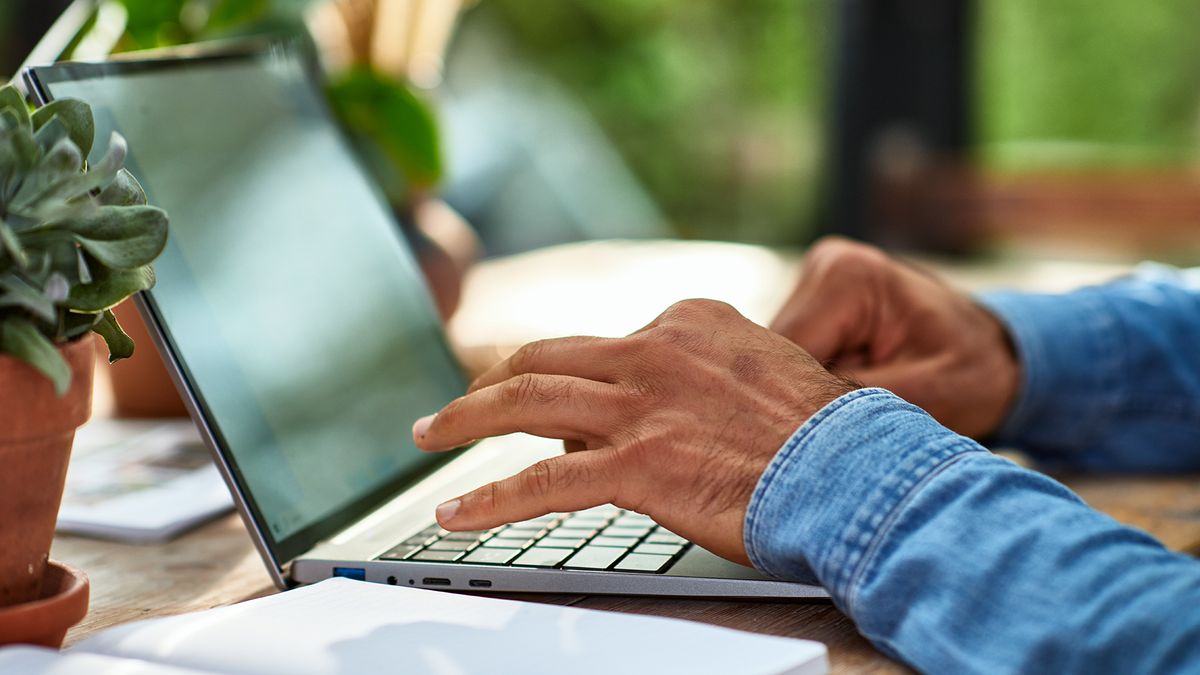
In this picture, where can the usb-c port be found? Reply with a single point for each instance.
(435, 581)
(480, 583)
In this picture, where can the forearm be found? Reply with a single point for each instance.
(953, 559)
(1111, 374)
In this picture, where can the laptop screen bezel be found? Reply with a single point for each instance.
(278, 553)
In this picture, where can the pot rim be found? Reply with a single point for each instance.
(48, 618)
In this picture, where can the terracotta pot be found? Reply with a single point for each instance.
(36, 431)
(45, 621)
(141, 386)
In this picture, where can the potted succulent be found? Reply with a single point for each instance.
(76, 238)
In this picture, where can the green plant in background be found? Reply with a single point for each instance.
(75, 239)
(715, 106)
(1080, 83)
(394, 130)
(166, 23)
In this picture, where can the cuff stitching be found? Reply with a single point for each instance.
(782, 460)
(872, 518)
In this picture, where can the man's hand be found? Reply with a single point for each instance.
(677, 421)
(891, 325)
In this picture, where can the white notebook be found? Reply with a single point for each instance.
(140, 481)
(344, 626)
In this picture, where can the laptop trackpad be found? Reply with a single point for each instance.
(698, 562)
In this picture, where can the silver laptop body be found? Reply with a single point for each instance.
(298, 329)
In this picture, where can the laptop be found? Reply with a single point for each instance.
(301, 334)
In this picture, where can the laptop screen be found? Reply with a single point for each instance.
(286, 292)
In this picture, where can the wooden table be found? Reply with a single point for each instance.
(623, 285)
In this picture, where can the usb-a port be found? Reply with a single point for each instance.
(435, 581)
(356, 573)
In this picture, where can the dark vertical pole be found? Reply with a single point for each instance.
(903, 70)
(29, 21)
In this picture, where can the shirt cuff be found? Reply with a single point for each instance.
(1071, 355)
(830, 495)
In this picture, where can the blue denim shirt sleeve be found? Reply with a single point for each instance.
(1111, 374)
(953, 559)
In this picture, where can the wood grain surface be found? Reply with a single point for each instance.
(217, 564)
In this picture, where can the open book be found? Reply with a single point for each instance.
(344, 626)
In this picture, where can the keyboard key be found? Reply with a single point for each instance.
(437, 556)
(542, 557)
(497, 542)
(472, 535)
(418, 540)
(491, 556)
(562, 542)
(659, 549)
(399, 553)
(634, 520)
(635, 532)
(520, 533)
(594, 558)
(622, 542)
(576, 532)
(537, 523)
(661, 536)
(640, 562)
(584, 523)
(450, 545)
(433, 530)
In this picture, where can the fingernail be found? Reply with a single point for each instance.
(446, 511)
(421, 426)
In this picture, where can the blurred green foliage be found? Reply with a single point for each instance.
(394, 130)
(715, 106)
(1086, 83)
(164, 23)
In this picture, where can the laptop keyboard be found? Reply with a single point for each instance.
(603, 538)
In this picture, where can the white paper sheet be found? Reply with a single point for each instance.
(343, 626)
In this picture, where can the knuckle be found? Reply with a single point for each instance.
(542, 477)
(837, 255)
(519, 391)
(523, 359)
(695, 308)
(491, 497)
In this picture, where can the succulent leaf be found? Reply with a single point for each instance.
(18, 293)
(24, 148)
(21, 338)
(83, 269)
(76, 324)
(50, 134)
(10, 245)
(120, 345)
(125, 190)
(102, 173)
(53, 175)
(75, 240)
(12, 101)
(121, 237)
(108, 288)
(75, 115)
(57, 288)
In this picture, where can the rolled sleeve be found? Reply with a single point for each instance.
(833, 488)
(1110, 374)
(1071, 354)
